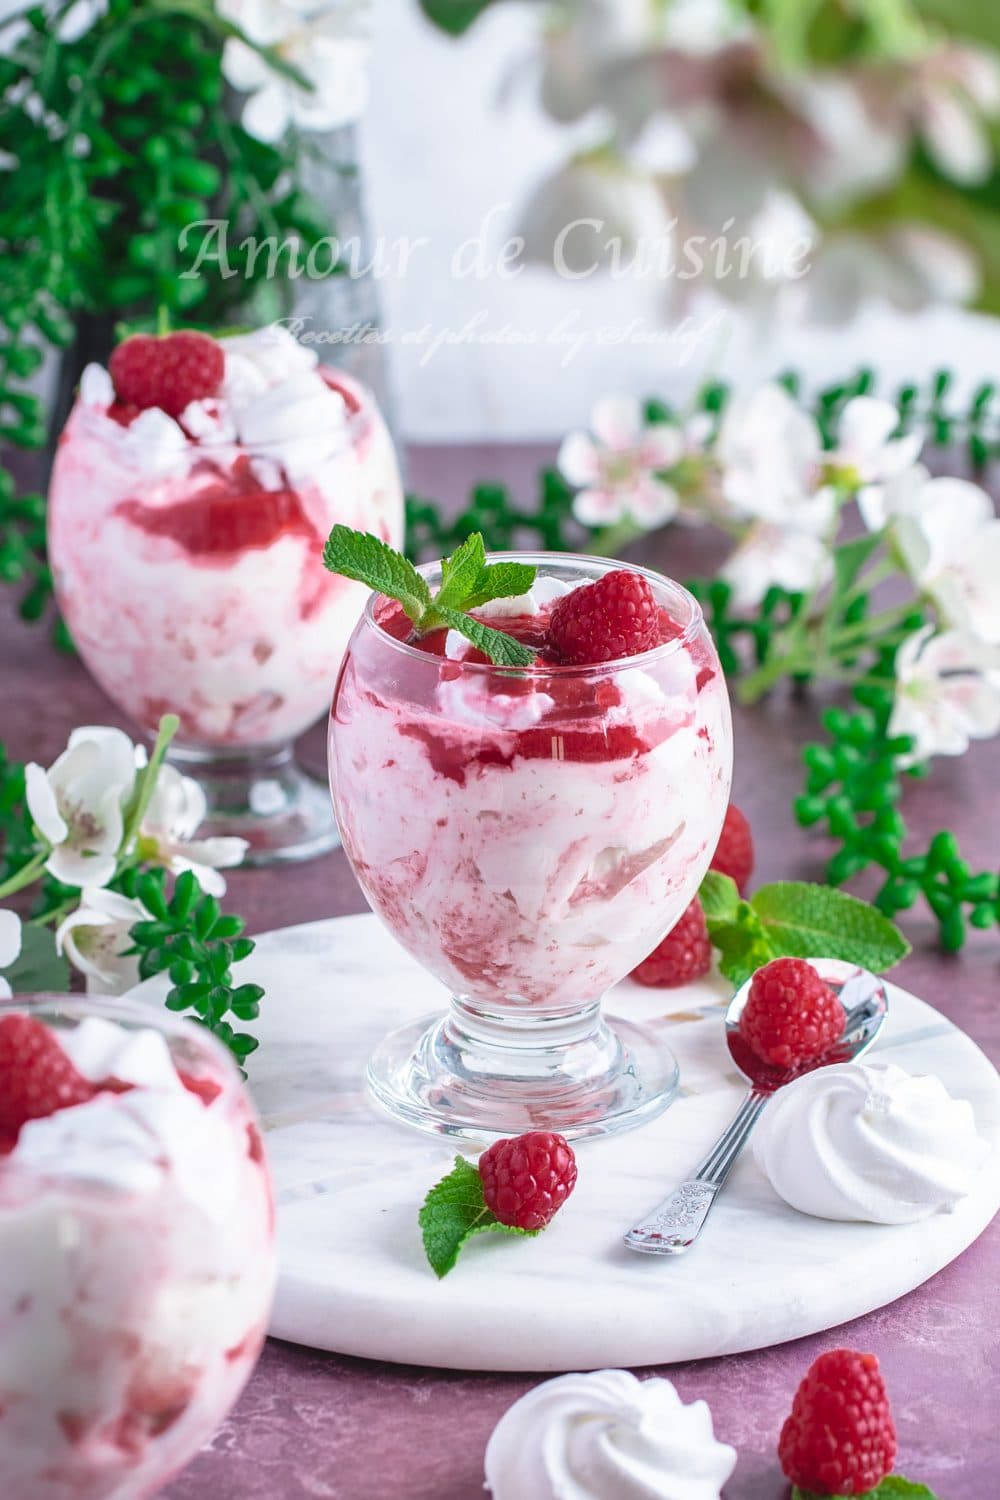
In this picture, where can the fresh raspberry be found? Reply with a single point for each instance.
(616, 616)
(525, 1180)
(840, 1438)
(734, 852)
(790, 1016)
(684, 954)
(167, 372)
(36, 1076)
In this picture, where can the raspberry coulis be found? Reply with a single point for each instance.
(577, 727)
(227, 511)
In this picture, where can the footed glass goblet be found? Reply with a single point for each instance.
(529, 835)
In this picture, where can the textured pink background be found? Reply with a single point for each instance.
(320, 1427)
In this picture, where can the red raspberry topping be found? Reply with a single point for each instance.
(36, 1076)
(228, 512)
(527, 1179)
(616, 616)
(840, 1438)
(791, 1016)
(734, 852)
(684, 954)
(167, 372)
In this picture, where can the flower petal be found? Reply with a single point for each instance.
(651, 502)
(74, 867)
(578, 459)
(618, 421)
(42, 805)
(598, 507)
(10, 937)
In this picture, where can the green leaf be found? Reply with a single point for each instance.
(506, 580)
(453, 1212)
(893, 1487)
(818, 921)
(453, 16)
(719, 896)
(742, 943)
(850, 558)
(38, 966)
(501, 649)
(366, 558)
(461, 572)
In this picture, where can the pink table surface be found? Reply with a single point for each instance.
(322, 1427)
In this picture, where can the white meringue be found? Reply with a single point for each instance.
(870, 1142)
(606, 1436)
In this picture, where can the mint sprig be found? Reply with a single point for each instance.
(468, 581)
(454, 1210)
(893, 1487)
(797, 920)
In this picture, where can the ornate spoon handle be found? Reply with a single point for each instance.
(674, 1226)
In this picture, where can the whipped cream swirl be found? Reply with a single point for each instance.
(869, 1141)
(606, 1436)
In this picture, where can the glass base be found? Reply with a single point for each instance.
(262, 796)
(479, 1078)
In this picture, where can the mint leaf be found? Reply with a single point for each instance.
(453, 1212)
(893, 1487)
(366, 558)
(504, 580)
(719, 896)
(818, 921)
(502, 649)
(461, 572)
(742, 942)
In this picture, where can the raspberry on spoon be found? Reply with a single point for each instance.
(616, 616)
(791, 1015)
(168, 372)
(840, 1438)
(36, 1076)
(527, 1179)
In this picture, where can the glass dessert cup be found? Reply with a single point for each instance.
(529, 836)
(137, 1243)
(190, 574)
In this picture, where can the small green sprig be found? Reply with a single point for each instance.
(192, 940)
(893, 1487)
(468, 582)
(453, 1212)
(796, 920)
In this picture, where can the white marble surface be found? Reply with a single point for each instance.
(349, 1183)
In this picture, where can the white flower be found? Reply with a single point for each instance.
(770, 554)
(617, 468)
(947, 693)
(175, 810)
(949, 539)
(327, 41)
(95, 937)
(770, 454)
(867, 450)
(953, 88)
(78, 804)
(899, 496)
(10, 945)
(594, 212)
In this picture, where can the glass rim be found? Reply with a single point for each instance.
(121, 1007)
(658, 581)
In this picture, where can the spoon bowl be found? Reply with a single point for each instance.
(673, 1227)
(864, 999)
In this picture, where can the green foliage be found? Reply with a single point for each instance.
(798, 920)
(116, 142)
(454, 16)
(454, 1211)
(189, 938)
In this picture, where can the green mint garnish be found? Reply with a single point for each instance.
(796, 920)
(893, 1487)
(467, 582)
(453, 1212)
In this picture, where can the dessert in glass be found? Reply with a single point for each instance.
(186, 544)
(529, 835)
(137, 1245)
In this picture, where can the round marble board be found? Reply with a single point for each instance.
(349, 1183)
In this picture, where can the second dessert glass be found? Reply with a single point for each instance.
(191, 577)
(529, 836)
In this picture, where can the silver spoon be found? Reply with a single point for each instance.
(674, 1226)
